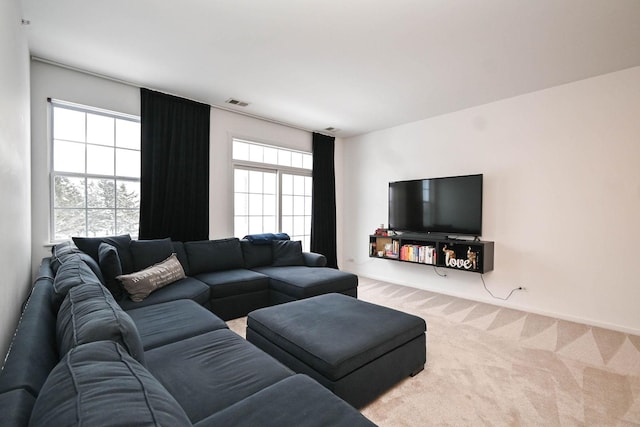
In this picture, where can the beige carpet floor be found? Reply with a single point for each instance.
(493, 366)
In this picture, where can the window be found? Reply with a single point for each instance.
(272, 191)
(95, 179)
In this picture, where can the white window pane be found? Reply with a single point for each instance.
(127, 134)
(68, 156)
(287, 184)
(255, 204)
(128, 222)
(298, 225)
(241, 226)
(69, 192)
(128, 195)
(287, 224)
(307, 225)
(298, 184)
(68, 124)
(100, 160)
(241, 183)
(287, 205)
(271, 155)
(269, 224)
(296, 159)
(255, 225)
(270, 183)
(255, 182)
(307, 205)
(101, 193)
(69, 223)
(308, 186)
(127, 163)
(240, 150)
(298, 205)
(270, 207)
(241, 204)
(307, 161)
(100, 129)
(305, 243)
(101, 222)
(284, 157)
(256, 153)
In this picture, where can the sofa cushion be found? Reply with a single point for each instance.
(287, 252)
(16, 406)
(72, 273)
(99, 384)
(256, 255)
(214, 255)
(89, 313)
(140, 284)
(304, 282)
(234, 282)
(212, 371)
(90, 245)
(111, 268)
(295, 401)
(145, 253)
(187, 288)
(33, 351)
(161, 324)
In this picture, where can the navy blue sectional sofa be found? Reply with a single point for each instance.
(84, 353)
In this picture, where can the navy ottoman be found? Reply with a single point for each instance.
(356, 349)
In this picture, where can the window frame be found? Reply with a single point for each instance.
(278, 169)
(53, 174)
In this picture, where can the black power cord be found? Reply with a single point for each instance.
(519, 288)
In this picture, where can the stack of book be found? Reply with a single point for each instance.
(418, 253)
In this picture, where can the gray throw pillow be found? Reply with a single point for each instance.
(140, 284)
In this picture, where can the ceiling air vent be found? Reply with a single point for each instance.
(237, 102)
(331, 129)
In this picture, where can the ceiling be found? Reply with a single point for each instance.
(355, 65)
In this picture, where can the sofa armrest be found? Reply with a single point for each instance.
(312, 259)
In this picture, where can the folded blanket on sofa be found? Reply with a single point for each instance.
(266, 238)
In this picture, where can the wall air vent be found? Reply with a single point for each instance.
(237, 102)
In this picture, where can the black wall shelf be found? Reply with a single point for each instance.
(466, 255)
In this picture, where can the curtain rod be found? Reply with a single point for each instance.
(132, 84)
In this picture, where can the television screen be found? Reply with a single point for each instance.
(450, 205)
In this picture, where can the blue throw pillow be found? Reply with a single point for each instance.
(287, 252)
(90, 245)
(111, 268)
(146, 253)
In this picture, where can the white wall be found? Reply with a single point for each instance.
(15, 214)
(561, 197)
(49, 81)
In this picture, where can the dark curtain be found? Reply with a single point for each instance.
(174, 182)
(323, 211)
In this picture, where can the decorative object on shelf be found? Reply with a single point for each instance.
(449, 254)
(472, 257)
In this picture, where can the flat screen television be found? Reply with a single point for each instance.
(448, 205)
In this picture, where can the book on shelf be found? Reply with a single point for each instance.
(418, 253)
